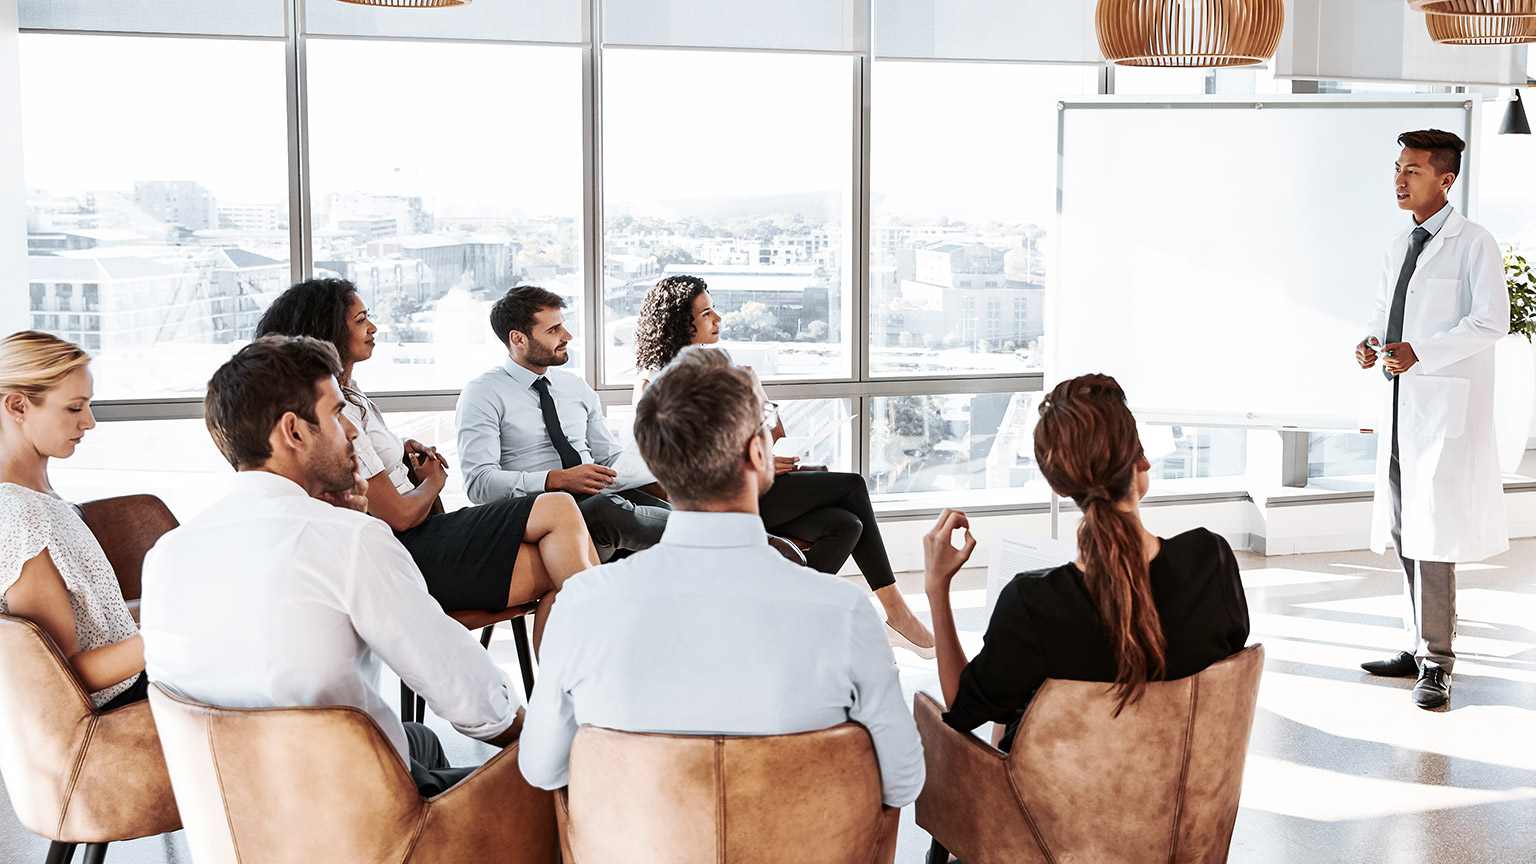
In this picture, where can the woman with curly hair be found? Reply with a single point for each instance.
(500, 554)
(830, 510)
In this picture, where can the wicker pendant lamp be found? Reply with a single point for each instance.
(1494, 8)
(1481, 29)
(408, 4)
(1189, 33)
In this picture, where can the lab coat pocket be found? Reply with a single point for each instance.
(1441, 301)
(1434, 406)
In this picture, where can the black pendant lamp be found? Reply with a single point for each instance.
(1515, 121)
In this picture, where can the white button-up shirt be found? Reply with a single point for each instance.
(504, 447)
(713, 632)
(272, 599)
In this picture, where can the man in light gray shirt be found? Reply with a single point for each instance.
(525, 428)
(712, 631)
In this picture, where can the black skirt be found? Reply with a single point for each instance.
(467, 555)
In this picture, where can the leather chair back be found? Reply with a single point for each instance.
(693, 799)
(1160, 782)
(73, 774)
(126, 527)
(324, 784)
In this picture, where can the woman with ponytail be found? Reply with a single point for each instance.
(1132, 608)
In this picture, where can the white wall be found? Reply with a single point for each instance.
(13, 207)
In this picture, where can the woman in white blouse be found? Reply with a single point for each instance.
(502, 553)
(52, 570)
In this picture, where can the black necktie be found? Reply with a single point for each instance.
(569, 458)
(1416, 243)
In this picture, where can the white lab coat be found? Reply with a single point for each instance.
(1457, 308)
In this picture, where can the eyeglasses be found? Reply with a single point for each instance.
(771, 415)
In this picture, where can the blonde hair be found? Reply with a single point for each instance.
(32, 363)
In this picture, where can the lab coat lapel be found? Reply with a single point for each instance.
(1450, 229)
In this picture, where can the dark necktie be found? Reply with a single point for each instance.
(1416, 243)
(569, 458)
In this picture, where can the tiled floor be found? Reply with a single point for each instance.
(1342, 767)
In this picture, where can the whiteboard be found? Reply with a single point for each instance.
(1220, 258)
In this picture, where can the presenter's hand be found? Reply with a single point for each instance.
(785, 464)
(581, 480)
(941, 560)
(1400, 357)
(1365, 352)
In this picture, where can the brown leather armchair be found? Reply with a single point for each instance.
(721, 799)
(278, 785)
(1159, 783)
(75, 775)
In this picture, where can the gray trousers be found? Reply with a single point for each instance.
(630, 519)
(1429, 610)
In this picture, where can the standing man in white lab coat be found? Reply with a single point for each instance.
(1441, 305)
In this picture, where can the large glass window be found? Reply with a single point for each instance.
(927, 448)
(157, 180)
(964, 200)
(445, 174)
(750, 189)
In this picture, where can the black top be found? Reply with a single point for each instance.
(1046, 626)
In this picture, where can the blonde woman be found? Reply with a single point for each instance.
(52, 570)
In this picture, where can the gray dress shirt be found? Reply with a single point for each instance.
(503, 445)
(713, 632)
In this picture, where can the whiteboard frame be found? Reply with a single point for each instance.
(1466, 182)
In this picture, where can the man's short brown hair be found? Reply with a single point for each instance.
(1444, 148)
(693, 423)
(517, 309)
(255, 388)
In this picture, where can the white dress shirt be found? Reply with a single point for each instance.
(379, 451)
(504, 446)
(713, 632)
(270, 599)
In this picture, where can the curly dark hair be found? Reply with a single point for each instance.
(666, 320)
(316, 308)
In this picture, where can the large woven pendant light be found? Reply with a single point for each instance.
(1481, 29)
(1189, 33)
(1476, 7)
(408, 4)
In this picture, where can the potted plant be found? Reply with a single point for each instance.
(1515, 375)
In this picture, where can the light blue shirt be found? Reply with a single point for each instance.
(504, 446)
(1434, 223)
(712, 632)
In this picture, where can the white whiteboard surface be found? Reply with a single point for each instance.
(1221, 259)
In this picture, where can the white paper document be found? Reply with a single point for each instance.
(1015, 552)
(631, 470)
(801, 445)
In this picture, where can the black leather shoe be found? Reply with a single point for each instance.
(1433, 689)
(1403, 665)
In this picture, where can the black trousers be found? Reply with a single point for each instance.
(831, 511)
(429, 766)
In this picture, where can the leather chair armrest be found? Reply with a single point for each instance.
(890, 823)
(563, 822)
(493, 814)
(121, 789)
(968, 802)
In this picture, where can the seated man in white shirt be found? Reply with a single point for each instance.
(273, 597)
(526, 428)
(712, 631)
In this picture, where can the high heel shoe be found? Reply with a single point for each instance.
(896, 640)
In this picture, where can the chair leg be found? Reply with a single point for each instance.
(937, 854)
(485, 636)
(60, 853)
(524, 653)
(407, 704)
(95, 853)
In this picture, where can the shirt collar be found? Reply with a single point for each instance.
(521, 375)
(1434, 223)
(697, 528)
(267, 483)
